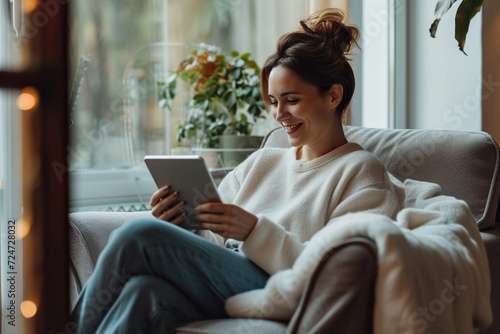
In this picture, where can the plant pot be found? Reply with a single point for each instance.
(236, 148)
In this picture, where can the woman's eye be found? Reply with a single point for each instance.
(273, 102)
(292, 101)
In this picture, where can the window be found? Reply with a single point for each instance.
(116, 119)
(405, 78)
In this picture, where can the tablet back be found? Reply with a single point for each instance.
(190, 176)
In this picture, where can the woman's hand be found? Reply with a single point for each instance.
(227, 220)
(164, 206)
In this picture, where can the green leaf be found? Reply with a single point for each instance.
(221, 90)
(200, 97)
(245, 56)
(203, 105)
(229, 99)
(254, 110)
(466, 11)
(247, 91)
(239, 63)
(256, 93)
(164, 104)
(442, 8)
(212, 90)
(171, 92)
(236, 73)
(254, 80)
(234, 54)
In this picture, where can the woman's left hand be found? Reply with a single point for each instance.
(227, 220)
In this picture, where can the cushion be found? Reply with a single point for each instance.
(233, 326)
(464, 164)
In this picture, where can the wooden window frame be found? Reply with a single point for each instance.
(45, 196)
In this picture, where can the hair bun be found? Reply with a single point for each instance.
(328, 25)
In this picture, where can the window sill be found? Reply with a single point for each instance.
(127, 189)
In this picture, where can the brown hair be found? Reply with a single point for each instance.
(318, 52)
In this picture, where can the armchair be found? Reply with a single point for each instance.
(464, 164)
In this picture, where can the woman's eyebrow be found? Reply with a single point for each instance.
(285, 94)
(288, 93)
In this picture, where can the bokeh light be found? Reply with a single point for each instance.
(28, 99)
(28, 308)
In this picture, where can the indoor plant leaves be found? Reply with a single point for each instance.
(466, 11)
(442, 8)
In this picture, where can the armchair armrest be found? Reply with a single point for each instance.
(340, 292)
(88, 234)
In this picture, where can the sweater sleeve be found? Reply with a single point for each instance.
(271, 247)
(374, 199)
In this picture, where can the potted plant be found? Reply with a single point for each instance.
(225, 100)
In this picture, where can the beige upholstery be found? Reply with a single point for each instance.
(465, 164)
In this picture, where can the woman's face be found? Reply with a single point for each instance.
(307, 116)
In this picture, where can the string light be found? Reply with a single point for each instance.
(23, 228)
(28, 99)
(28, 308)
(30, 6)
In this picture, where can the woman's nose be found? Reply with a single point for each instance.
(280, 113)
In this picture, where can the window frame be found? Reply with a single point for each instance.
(44, 197)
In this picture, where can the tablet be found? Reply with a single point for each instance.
(190, 176)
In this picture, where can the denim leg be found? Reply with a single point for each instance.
(148, 304)
(205, 273)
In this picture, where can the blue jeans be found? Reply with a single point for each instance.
(153, 277)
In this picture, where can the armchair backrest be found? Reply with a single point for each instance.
(464, 164)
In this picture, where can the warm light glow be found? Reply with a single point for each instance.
(23, 228)
(30, 6)
(28, 308)
(28, 99)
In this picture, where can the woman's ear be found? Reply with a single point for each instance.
(336, 93)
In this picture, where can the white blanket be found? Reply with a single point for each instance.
(433, 273)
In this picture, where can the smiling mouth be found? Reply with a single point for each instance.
(291, 128)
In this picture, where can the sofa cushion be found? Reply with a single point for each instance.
(464, 164)
(233, 326)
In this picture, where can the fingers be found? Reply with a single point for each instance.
(227, 220)
(221, 229)
(164, 206)
(178, 219)
(158, 195)
(164, 203)
(172, 212)
(213, 207)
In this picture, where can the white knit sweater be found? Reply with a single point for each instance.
(293, 200)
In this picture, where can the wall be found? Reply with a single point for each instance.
(491, 68)
(444, 85)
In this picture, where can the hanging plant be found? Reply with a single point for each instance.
(466, 11)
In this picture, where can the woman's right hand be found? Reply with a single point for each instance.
(165, 207)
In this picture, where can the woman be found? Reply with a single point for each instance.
(154, 276)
